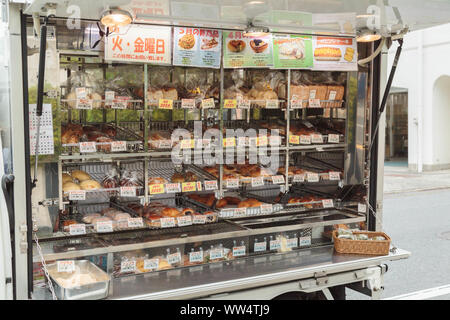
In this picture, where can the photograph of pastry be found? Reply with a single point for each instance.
(236, 46)
(349, 53)
(208, 44)
(258, 45)
(327, 54)
(187, 41)
(292, 49)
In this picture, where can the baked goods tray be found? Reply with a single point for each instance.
(96, 104)
(86, 282)
(125, 140)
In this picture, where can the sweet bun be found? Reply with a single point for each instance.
(187, 211)
(170, 212)
(66, 178)
(70, 186)
(90, 185)
(156, 180)
(221, 203)
(177, 177)
(80, 175)
(232, 200)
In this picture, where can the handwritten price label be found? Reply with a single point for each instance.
(208, 103)
(297, 103)
(156, 188)
(298, 178)
(77, 229)
(312, 177)
(128, 191)
(135, 223)
(229, 104)
(184, 221)
(275, 244)
(188, 186)
(260, 246)
(118, 146)
(187, 103)
(257, 182)
(88, 147)
(199, 219)
(211, 185)
(151, 264)
(167, 222)
(243, 104)
(292, 243)
(173, 187)
(333, 138)
(165, 104)
(335, 176)
(84, 104)
(196, 257)
(104, 226)
(240, 212)
(239, 251)
(316, 138)
(67, 266)
(305, 139)
(294, 139)
(174, 258)
(128, 266)
(232, 183)
(327, 203)
(314, 103)
(77, 195)
(216, 254)
(278, 179)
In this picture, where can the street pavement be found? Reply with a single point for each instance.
(417, 221)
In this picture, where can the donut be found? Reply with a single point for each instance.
(187, 211)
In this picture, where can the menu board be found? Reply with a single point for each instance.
(292, 51)
(248, 52)
(196, 47)
(140, 43)
(332, 53)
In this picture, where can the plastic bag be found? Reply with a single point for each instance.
(111, 180)
(82, 85)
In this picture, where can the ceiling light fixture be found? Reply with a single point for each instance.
(367, 36)
(253, 31)
(116, 17)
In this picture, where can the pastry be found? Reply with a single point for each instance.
(258, 45)
(177, 178)
(249, 203)
(236, 45)
(90, 185)
(70, 186)
(89, 217)
(327, 54)
(209, 44)
(80, 175)
(170, 212)
(66, 178)
(69, 222)
(171, 94)
(100, 219)
(156, 180)
(187, 41)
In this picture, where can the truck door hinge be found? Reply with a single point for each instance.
(321, 278)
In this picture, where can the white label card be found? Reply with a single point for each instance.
(77, 229)
(151, 264)
(174, 258)
(199, 219)
(305, 241)
(227, 213)
(312, 177)
(296, 103)
(260, 246)
(239, 251)
(187, 103)
(211, 185)
(118, 146)
(232, 183)
(87, 147)
(243, 104)
(135, 223)
(128, 266)
(299, 178)
(275, 244)
(271, 104)
(216, 254)
(77, 195)
(196, 257)
(314, 103)
(240, 212)
(362, 207)
(84, 104)
(257, 182)
(208, 103)
(278, 179)
(333, 138)
(316, 138)
(167, 222)
(128, 191)
(292, 243)
(184, 221)
(332, 95)
(66, 266)
(104, 226)
(119, 104)
(305, 139)
(328, 203)
(173, 187)
(266, 208)
(334, 176)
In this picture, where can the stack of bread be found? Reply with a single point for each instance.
(75, 133)
(78, 180)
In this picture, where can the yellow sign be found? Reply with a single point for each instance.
(294, 139)
(156, 188)
(187, 144)
(230, 104)
(188, 186)
(262, 141)
(166, 104)
(229, 142)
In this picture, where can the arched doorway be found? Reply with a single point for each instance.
(441, 123)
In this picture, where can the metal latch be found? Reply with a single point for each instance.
(321, 278)
(23, 246)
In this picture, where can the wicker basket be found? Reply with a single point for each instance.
(369, 247)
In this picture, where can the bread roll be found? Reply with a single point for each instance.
(90, 185)
(66, 178)
(70, 186)
(89, 217)
(156, 180)
(171, 94)
(177, 178)
(170, 212)
(301, 92)
(80, 175)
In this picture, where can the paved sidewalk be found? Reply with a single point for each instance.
(399, 179)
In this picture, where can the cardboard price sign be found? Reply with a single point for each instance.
(230, 104)
(165, 104)
(187, 103)
(118, 146)
(77, 195)
(67, 266)
(77, 229)
(88, 147)
(188, 186)
(156, 188)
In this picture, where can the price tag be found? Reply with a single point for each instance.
(80, 93)
(294, 139)
(199, 185)
(187, 144)
(208, 103)
(229, 142)
(119, 104)
(66, 266)
(298, 178)
(316, 138)
(227, 213)
(278, 179)
(167, 222)
(173, 187)
(118, 146)
(229, 104)
(215, 254)
(128, 191)
(333, 138)
(87, 147)
(240, 212)
(151, 264)
(128, 266)
(312, 177)
(314, 103)
(232, 183)
(275, 140)
(275, 244)
(292, 243)
(266, 208)
(199, 219)
(196, 257)
(271, 104)
(156, 188)
(174, 258)
(262, 141)
(327, 203)
(257, 182)
(109, 97)
(184, 221)
(305, 241)
(332, 95)
(260, 246)
(305, 139)
(77, 195)
(77, 229)
(135, 223)
(104, 226)
(188, 186)
(239, 251)
(243, 104)
(84, 104)
(211, 185)
(362, 207)
(241, 141)
(312, 94)
(335, 176)
(296, 103)
(187, 103)
(165, 104)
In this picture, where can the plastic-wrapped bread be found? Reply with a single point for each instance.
(90, 185)
(171, 94)
(155, 94)
(335, 93)
(318, 92)
(300, 91)
(89, 217)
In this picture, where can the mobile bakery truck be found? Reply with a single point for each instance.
(197, 150)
